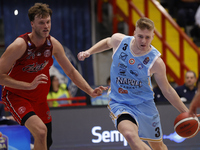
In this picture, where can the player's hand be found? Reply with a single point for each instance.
(0, 134)
(40, 79)
(193, 108)
(98, 91)
(82, 55)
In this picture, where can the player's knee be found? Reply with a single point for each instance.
(130, 137)
(41, 132)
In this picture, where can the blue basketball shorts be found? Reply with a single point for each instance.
(146, 116)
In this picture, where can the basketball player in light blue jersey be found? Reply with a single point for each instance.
(132, 108)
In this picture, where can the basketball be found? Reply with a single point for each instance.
(186, 126)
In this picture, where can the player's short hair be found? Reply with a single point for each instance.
(39, 9)
(145, 23)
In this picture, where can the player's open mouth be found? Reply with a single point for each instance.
(142, 45)
(45, 30)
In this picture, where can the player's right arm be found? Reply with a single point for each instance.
(9, 57)
(196, 101)
(103, 45)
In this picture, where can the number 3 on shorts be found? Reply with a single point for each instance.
(157, 132)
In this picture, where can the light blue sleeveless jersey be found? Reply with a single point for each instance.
(130, 75)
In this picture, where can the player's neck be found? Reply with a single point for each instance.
(38, 41)
(136, 51)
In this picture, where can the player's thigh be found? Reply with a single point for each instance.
(158, 145)
(42, 111)
(36, 125)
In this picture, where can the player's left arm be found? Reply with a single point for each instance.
(71, 72)
(159, 71)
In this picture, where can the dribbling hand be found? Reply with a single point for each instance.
(82, 55)
(40, 79)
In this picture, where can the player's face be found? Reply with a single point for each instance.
(190, 79)
(41, 26)
(143, 38)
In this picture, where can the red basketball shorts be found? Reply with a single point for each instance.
(22, 108)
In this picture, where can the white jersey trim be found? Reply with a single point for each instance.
(158, 55)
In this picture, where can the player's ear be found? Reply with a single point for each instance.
(31, 23)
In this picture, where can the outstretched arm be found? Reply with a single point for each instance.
(105, 44)
(71, 72)
(170, 94)
(12, 53)
(195, 102)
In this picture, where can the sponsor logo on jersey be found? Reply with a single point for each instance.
(122, 91)
(154, 124)
(123, 56)
(21, 110)
(47, 53)
(49, 115)
(39, 54)
(48, 42)
(140, 66)
(122, 72)
(122, 66)
(134, 72)
(127, 81)
(35, 67)
(146, 60)
(131, 61)
(31, 54)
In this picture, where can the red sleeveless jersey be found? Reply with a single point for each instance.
(35, 61)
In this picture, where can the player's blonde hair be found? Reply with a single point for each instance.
(39, 9)
(145, 23)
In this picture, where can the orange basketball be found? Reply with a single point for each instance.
(186, 126)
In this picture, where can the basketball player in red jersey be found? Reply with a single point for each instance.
(24, 72)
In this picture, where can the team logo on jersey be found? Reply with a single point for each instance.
(21, 109)
(146, 60)
(122, 72)
(47, 53)
(135, 73)
(29, 44)
(140, 66)
(35, 67)
(48, 42)
(122, 91)
(131, 61)
(123, 56)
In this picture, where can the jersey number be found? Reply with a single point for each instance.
(125, 46)
(157, 132)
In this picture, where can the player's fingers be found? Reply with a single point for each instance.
(103, 88)
(42, 76)
(42, 82)
(192, 112)
(80, 56)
